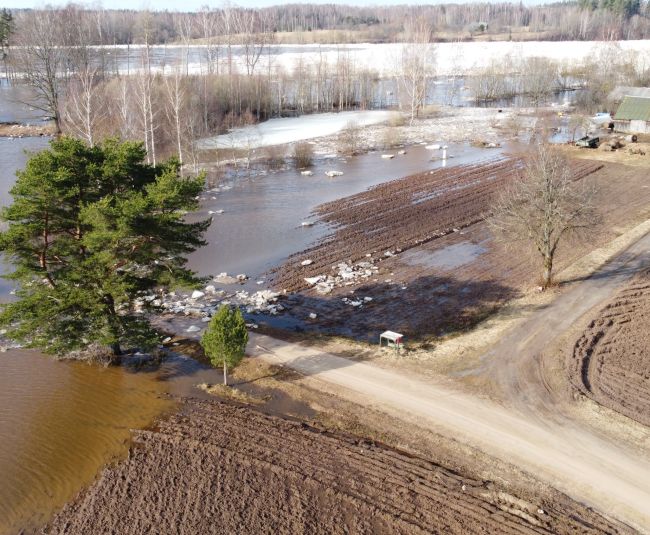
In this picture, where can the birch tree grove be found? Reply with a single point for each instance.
(84, 108)
(416, 65)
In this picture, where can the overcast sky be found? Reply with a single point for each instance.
(189, 5)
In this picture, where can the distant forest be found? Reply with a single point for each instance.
(308, 23)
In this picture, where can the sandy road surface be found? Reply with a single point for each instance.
(593, 471)
(602, 474)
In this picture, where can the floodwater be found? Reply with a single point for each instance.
(13, 156)
(447, 258)
(60, 422)
(261, 221)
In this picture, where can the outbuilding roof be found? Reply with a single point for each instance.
(633, 109)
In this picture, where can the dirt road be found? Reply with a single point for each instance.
(588, 467)
(516, 363)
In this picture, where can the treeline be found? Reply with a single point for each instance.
(579, 20)
(538, 78)
(88, 93)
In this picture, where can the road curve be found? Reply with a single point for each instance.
(607, 476)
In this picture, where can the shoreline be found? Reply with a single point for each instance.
(13, 130)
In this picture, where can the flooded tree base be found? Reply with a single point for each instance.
(231, 469)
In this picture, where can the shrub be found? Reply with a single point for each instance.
(303, 154)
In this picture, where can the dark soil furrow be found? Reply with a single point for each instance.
(220, 468)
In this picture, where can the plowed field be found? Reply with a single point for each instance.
(218, 468)
(611, 360)
(405, 213)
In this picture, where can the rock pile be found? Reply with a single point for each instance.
(345, 275)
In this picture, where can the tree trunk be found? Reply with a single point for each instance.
(225, 373)
(548, 271)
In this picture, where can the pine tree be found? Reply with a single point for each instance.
(225, 339)
(90, 230)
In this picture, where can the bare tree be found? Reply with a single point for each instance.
(252, 37)
(209, 28)
(83, 104)
(175, 93)
(544, 206)
(417, 64)
(40, 57)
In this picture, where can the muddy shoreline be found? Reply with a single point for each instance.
(18, 130)
(229, 468)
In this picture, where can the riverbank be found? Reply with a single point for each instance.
(19, 130)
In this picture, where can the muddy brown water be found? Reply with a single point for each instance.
(59, 423)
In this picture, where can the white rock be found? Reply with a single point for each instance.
(307, 262)
(355, 303)
(367, 299)
(224, 278)
(307, 224)
(324, 287)
(435, 146)
(333, 173)
(167, 340)
(242, 277)
(193, 329)
(306, 173)
(210, 288)
(313, 316)
(388, 156)
(389, 253)
(197, 294)
(252, 325)
(401, 152)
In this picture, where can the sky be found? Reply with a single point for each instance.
(192, 5)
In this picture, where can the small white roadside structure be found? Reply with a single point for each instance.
(391, 339)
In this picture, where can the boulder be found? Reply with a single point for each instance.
(197, 294)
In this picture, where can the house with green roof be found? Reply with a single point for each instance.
(633, 115)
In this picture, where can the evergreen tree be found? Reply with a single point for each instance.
(225, 339)
(90, 230)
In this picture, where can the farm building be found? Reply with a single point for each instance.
(633, 115)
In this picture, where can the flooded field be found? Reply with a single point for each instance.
(262, 220)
